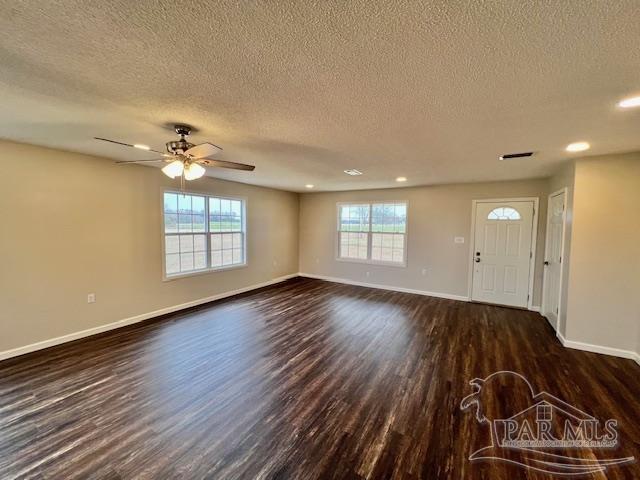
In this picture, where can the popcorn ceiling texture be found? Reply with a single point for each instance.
(433, 91)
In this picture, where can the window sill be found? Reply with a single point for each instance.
(372, 262)
(206, 271)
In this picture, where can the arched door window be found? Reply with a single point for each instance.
(504, 213)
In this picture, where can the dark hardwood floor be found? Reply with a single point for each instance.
(302, 380)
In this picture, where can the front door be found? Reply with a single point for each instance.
(553, 258)
(502, 252)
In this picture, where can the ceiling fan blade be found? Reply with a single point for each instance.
(128, 145)
(203, 150)
(141, 161)
(224, 164)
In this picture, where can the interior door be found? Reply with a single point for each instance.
(502, 252)
(553, 257)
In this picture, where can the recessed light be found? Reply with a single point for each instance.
(578, 147)
(515, 155)
(142, 147)
(401, 179)
(308, 185)
(630, 102)
(353, 171)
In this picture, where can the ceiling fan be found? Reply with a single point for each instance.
(184, 159)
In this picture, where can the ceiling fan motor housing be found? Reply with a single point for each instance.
(180, 146)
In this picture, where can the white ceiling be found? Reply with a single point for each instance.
(433, 91)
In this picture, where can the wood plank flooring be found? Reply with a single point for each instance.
(302, 380)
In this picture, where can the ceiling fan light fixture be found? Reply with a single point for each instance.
(194, 171)
(174, 169)
(141, 146)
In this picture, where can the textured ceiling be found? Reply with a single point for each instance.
(433, 91)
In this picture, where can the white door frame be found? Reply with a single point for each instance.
(534, 236)
(564, 191)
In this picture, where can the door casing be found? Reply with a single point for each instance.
(565, 192)
(534, 236)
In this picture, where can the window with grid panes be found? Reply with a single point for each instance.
(373, 232)
(226, 227)
(202, 233)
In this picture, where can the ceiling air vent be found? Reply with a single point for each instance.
(509, 156)
(353, 171)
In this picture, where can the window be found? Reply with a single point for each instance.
(202, 233)
(373, 232)
(227, 232)
(503, 213)
(544, 413)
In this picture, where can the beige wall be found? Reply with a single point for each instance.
(436, 215)
(565, 178)
(74, 224)
(604, 277)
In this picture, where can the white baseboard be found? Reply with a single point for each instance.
(385, 287)
(588, 347)
(135, 319)
(535, 308)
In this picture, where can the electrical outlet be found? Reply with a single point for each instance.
(368, 274)
(91, 298)
(317, 260)
(424, 271)
(275, 263)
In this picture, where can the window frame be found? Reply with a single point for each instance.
(546, 411)
(503, 218)
(207, 233)
(370, 233)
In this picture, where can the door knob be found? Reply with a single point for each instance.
(477, 259)
(546, 263)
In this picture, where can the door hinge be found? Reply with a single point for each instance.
(530, 254)
(557, 310)
(527, 297)
(560, 260)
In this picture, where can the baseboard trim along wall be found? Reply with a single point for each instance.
(448, 296)
(163, 311)
(135, 319)
(588, 347)
(535, 308)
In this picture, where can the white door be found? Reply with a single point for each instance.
(553, 257)
(502, 252)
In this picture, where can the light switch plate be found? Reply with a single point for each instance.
(458, 239)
